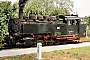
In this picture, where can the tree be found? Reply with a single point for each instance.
(49, 7)
(88, 20)
(6, 10)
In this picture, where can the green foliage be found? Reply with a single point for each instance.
(3, 26)
(49, 7)
(6, 10)
(88, 32)
(88, 21)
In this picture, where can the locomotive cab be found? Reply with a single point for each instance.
(76, 26)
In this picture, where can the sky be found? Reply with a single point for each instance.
(82, 6)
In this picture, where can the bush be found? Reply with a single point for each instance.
(6, 10)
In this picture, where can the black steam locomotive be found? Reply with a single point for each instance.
(47, 30)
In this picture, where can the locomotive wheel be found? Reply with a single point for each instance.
(64, 42)
(57, 42)
(43, 44)
(34, 45)
(49, 43)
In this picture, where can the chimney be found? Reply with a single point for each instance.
(21, 7)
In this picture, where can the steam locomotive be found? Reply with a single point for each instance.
(47, 30)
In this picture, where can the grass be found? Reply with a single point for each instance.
(82, 53)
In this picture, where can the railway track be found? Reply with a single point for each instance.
(20, 47)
